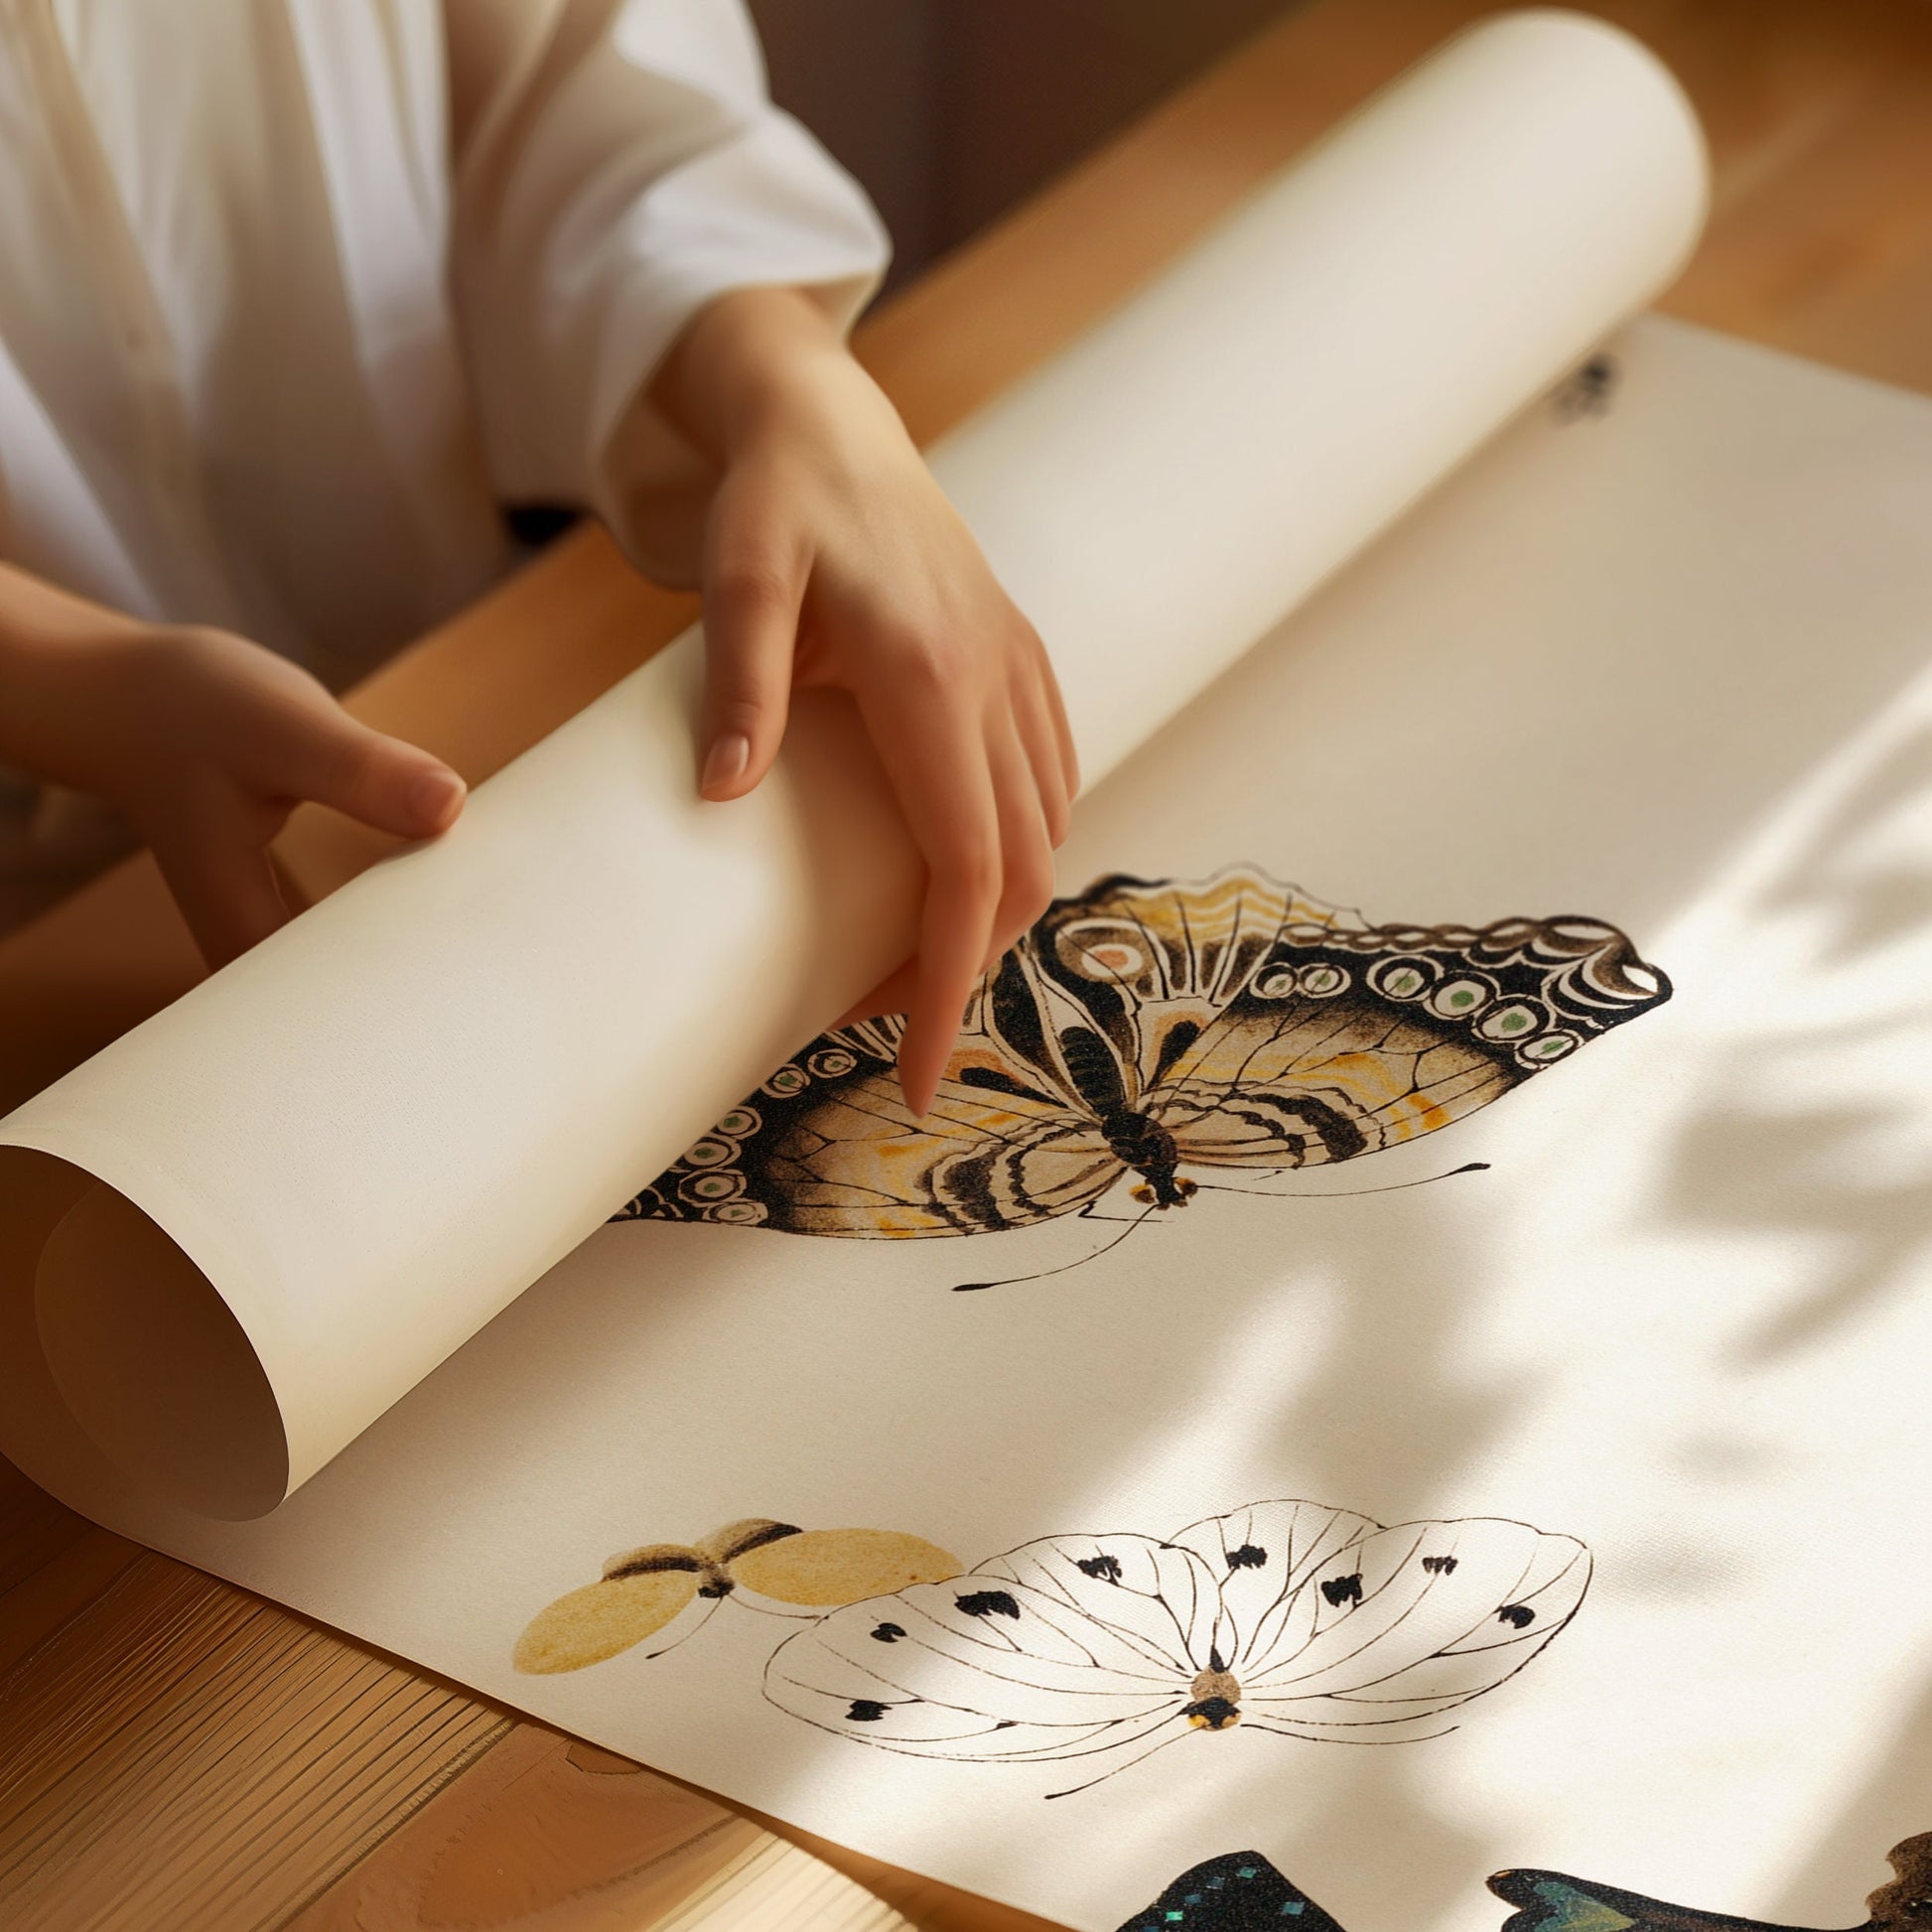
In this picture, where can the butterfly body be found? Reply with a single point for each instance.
(1216, 1694)
(708, 1563)
(1158, 1034)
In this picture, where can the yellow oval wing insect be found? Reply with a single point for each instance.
(825, 1569)
(598, 1621)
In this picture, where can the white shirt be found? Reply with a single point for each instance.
(293, 293)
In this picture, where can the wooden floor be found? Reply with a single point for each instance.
(177, 1753)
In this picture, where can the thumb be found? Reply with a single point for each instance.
(384, 783)
(750, 637)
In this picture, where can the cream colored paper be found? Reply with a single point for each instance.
(1668, 667)
(348, 1151)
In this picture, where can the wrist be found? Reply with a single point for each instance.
(764, 367)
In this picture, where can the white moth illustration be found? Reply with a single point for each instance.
(1286, 1616)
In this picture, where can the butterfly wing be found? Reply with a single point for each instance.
(822, 1569)
(1031, 1656)
(1262, 1557)
(828, 1145)
(1158, 1598)
(1141, 968)
(1347, 1038)
(585, 1626)
(1551, 1901)
(1395, 1627)
(1240, 1892)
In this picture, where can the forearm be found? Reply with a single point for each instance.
(53, 644)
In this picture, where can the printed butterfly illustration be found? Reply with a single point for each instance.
(1240, 1892)
(1286, 1616)
(1143, 1029)
(1550, 1902)
(773, 1566)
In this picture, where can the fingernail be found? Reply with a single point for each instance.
(435, 797)
(725, 762)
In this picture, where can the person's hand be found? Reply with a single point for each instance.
(833, 558)
(206, 742)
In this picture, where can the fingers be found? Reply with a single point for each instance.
(894, 994)
(1042, 713)
(225, 887)
(1055, 709)
(936, 760)
(1025, 808)
(751, 600)
(318, 751)
(1054, 776)
(1026, 877)
(971, 797)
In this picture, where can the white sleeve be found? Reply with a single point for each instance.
(617, 164)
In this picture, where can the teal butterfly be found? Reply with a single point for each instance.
(1551, 1901)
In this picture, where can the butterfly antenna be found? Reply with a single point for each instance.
(1106, 1248)
(1343, 1193)
(665, 1650)
(1075, 1790)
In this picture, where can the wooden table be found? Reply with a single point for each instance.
(175, 1752)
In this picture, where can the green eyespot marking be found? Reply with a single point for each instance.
(1460, 996)
(708, 1153)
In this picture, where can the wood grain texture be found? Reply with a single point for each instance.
(545, 1835)
(181, 1754)
(174, 1754)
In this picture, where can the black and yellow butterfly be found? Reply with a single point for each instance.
(1145, 1028)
